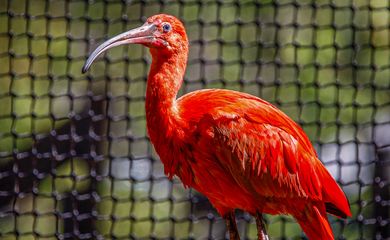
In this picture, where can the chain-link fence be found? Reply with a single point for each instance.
(75, 160)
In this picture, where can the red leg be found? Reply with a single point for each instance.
(232, 226)
(261, 231)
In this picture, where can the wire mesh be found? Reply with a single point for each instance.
(75, 160)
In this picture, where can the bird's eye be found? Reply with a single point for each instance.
(167, 27)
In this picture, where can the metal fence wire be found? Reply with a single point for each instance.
(75, 160)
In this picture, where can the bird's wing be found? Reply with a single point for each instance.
(262, 156)
(261, 146)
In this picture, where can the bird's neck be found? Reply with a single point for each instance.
(164, 81)
(165, 127)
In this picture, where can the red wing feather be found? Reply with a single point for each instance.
(268, 152)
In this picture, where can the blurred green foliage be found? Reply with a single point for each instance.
(327, 67)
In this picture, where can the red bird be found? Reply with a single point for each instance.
(237, 149)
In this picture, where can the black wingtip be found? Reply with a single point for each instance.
(332, 209)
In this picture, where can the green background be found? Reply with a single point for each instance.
(325, 63)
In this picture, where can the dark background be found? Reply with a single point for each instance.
(75, 161)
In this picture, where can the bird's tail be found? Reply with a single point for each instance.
(314, 223)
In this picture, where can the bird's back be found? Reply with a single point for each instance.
(195, 105)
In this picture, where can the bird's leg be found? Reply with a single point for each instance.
(232, 226)
(261, 231)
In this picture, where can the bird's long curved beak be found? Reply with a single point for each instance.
(142, 35)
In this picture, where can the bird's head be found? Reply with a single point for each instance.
(162, 33)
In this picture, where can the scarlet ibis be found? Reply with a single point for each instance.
(240, 151)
